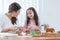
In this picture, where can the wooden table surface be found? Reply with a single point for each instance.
(47, 38)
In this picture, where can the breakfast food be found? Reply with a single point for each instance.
(48, 29)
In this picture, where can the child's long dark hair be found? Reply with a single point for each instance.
(35, 16)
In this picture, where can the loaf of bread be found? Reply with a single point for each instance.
(48, 29)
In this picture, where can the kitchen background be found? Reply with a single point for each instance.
(48, 11)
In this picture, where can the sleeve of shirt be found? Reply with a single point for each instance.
(25, 27)
(25, 24)
(39, 25)
(1, 23)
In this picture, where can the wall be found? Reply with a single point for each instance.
(51, 13)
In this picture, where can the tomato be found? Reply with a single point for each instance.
(20, 35)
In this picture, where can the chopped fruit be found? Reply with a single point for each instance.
(37, 32)
(34, 32)
(20, 35)
(37, 35)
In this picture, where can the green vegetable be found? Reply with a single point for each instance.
(37, 32)
(34, 32)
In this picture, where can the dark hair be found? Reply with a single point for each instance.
(13, 20)
(35, 16)
(14, 7)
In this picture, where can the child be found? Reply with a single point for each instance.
(32, 23)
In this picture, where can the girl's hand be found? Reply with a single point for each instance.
(26, 29)
(29, 27)
(37, 28)
(19, 30)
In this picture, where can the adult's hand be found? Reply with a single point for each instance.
(9, 29)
